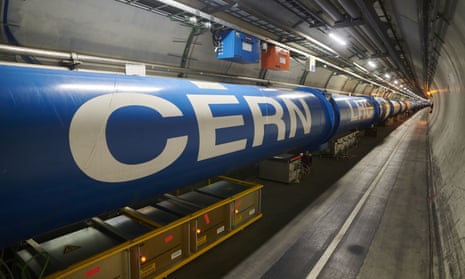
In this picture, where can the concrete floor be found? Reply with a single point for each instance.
(359, 217)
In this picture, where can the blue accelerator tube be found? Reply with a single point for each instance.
(384, 108)
(353, 112)
(395, 108)
(403, 106)
(409, 105)
(76, 144)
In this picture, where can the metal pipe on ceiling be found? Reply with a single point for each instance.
(372, 19)
(94, 59)
(359, 38)
(350, 8)
(332, 11)
(107, 62)
(354, 12)
(370, 34)
(424, 25)
(212, 18)
(433, 44)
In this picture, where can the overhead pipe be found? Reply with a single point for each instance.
(372, 19)
(411, 74)
(72, 56)
(337, 16)
(373, 38)
(330, 10)
(439, 30)
(356, 35)
(211, 18)
(353, 12)
(350, 7)
(82, 58)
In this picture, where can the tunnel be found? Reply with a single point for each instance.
(399, 192)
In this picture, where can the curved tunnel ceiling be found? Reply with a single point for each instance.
(388, 44)
(382, 32)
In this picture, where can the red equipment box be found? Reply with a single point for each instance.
(275, 58)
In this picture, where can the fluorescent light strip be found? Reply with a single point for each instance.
(337, 39)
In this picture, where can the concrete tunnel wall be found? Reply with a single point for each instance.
(110, 28)
(447, 139)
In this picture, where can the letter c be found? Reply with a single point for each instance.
(87, 138)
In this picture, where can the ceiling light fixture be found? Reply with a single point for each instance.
(371, 64)
(207, 24)
(192, 20)
(337, 39)
(387, 75)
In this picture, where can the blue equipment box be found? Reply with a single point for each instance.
(238, 47)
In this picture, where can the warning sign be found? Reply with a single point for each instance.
(70, 248)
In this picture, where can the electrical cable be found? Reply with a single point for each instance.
(8, 270)
(26, 264)
(5, 266)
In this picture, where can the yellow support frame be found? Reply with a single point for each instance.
(205, 249)
(126, 246)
